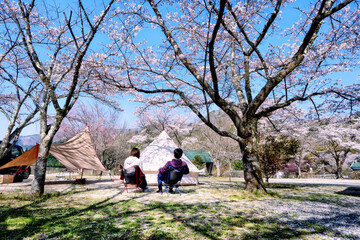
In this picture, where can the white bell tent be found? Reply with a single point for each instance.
(158, 153)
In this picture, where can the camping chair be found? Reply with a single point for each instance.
(132, 177)
(172, 180)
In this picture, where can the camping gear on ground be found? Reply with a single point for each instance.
(6, 178)
(158, 153)
(172, 180)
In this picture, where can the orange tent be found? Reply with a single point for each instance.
(28, 158)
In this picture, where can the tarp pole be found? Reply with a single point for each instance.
(82, 172)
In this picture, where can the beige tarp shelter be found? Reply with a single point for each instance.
(28, 158)
(160, 151)
(78, 153)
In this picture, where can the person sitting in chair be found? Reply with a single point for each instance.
(134, 160)
(176, 163)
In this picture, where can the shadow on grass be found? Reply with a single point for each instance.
(350, 191)
(330, 198)
(282, 186)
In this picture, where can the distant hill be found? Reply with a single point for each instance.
(28, 141)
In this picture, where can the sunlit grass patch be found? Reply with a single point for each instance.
(270, 230)
(17, 223)
(155, 234)
(240, 194)
(273, 194)
(316, 227)
(25, 197)
(233, 221)
(259, 194)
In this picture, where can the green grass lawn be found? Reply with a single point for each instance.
(208, 211)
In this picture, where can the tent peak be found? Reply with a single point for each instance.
(163, 135)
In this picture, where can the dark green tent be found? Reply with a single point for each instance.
(206, 157)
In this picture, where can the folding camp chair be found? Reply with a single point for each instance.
(132, 177)
(172, 180)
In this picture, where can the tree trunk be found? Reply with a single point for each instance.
(339, 172)
(37, 186)
(3, 147)
(299, 171)
(47, 134)
(252, 169)
(230, 170)
(218, 172)
(340, 162)
(252, 174)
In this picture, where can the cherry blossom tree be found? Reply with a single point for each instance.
(107, 134)
(55, 40)
(19, 115)
(245, 58)
(332, 140)
(154, 120)
(339, 141)
(139, 139)
(350, 98)
(18, 97)
(18, 103)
